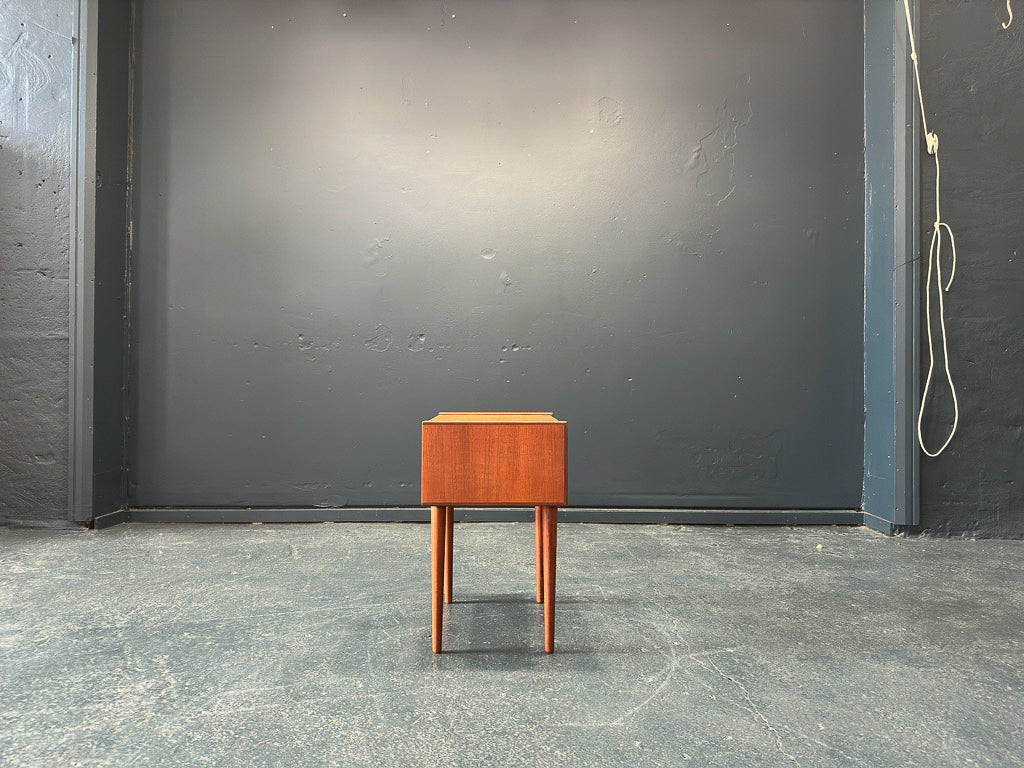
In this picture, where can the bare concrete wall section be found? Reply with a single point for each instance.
(647, 217)
(36, 82)
(973, 79)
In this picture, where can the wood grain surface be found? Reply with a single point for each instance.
(493, 463)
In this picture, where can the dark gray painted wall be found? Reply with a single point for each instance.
(36, 85)
(974, 90)
(113, 126)
(647, 217)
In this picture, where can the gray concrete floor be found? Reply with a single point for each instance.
(308, 645)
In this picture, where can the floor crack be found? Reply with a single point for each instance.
(670, 673)
(751, 706)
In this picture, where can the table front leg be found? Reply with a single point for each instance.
(449, 536)
(437, 531)
(538, 519)
(550, 550)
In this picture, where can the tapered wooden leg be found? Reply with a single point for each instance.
(538, 514)
(550, 550)
(449, 537)
(437, 530)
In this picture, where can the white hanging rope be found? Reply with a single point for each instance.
(934, 263)
(935, 256)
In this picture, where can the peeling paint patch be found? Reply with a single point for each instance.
(375, 251)
(381, 339)
(747, 457)
(417, 341)
(713, 159)
(610, 111)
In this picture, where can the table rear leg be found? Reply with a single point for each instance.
(448, 551)
(437, 531)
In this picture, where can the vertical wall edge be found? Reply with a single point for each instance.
(906, 295)
(891, 269)
(82, 263)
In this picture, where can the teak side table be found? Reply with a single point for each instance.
(494, 460)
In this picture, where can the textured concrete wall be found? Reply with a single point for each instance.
(974, 93)
(36, 81)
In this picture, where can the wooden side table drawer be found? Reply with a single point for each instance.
(495, 464)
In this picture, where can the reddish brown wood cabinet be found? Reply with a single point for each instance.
(494, 460)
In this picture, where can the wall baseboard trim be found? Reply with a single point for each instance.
(43, 524)
(109, 519)
(471, 514)
(876, 523)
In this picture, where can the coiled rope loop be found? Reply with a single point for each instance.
(935, 264)
(935, 256)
